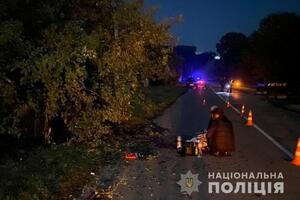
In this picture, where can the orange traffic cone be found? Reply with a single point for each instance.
(243, 110)
(227, 104)
(296, 160)
(249, 119)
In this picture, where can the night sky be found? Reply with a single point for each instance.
(206, 21)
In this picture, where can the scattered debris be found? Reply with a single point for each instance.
(139, 145)
(131, 156)
(88, 192)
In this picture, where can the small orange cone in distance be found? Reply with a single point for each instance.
(227, 104)
(296, 160)
(249, 119)
(243, 110)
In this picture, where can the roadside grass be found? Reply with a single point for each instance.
(157, 98)
(62, 171)
(50, 173)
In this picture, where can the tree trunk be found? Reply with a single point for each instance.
(46, 128)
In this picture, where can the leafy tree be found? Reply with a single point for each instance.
(230, 48)
(274, 46)
(12, 49)
(83, 62)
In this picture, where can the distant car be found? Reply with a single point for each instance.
(190, 82)
(228, 87)
(236, 83)
(200, 84)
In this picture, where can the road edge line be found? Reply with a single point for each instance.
(270, 138)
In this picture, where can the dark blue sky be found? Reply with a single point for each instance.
(205, 21)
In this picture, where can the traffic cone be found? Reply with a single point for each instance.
(243, 110)
(296, 160)
(227, 104)
(249, 119)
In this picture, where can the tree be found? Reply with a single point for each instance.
(85, 63)
(230, 48)
(274, 47)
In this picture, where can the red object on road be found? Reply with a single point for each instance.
(296, 160)
(131, 156)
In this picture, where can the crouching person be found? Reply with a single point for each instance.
(220, 134)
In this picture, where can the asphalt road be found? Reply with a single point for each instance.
(157, 179)
(281, 124)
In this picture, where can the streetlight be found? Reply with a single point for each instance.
(217, 57)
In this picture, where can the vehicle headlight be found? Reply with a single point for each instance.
(237, 83)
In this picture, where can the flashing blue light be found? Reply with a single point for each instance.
(195, 74)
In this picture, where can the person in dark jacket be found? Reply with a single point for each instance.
(220, 134)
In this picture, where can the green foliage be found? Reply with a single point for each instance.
(12, 47)
(231, 47)
(274, 47)
(270, 53)
(83, 61)
(52, 173)
(155, 100)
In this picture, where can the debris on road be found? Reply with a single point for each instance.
(131, 156)
(195, 146)
(141, 145)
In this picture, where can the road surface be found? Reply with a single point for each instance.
(157, 179)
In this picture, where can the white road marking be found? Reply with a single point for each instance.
(270, 138)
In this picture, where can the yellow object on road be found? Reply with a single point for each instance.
(189, 148)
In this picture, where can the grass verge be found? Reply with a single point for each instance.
(58, 172)
(72, 171)
(156, 99)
